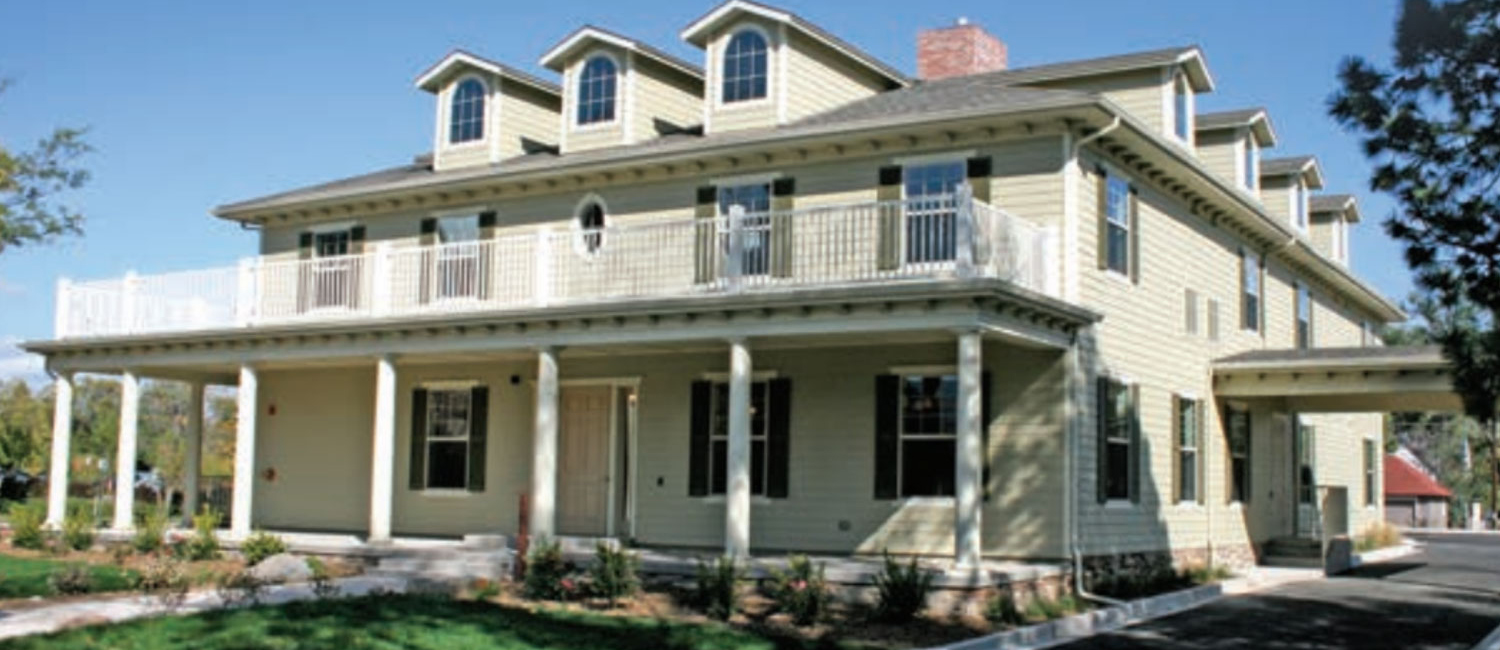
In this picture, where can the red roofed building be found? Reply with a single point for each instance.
(1413, 498)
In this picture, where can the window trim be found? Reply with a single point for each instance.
(580, 234)
(484, 113)
(764, 436)
(1305, 443)
(1250, 163)
(1231, 413)
(1250, 266)
(1297, 203)
(1302, 298)
(615, 102)
(902, 437)
(1190, 324)
(1182, 109)
(907, 163)
(1128, 385)
(1198, 420)
(773, 52)
(1112, 178)
(429, 439)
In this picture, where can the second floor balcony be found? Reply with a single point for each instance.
(929, 239)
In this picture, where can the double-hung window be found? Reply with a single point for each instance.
(458, 267)
(333, 270)
(1189, 442)
(1370, 488)
(1117, 225)
(931, 211)
(1250, 291)
(1238, 433)
(1304, 317)
(449, 424)
(751, 204)
(929, 428)
(1118, 431)
(718, 436)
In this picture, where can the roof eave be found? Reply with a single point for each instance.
(1193, 63)
(429, 79)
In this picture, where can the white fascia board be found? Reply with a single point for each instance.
(553, 58)
(697, 32)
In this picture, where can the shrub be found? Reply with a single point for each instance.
(718, 587)
(323, 586)
(259, 546)
(1202, 574)
(1377, 535)
(902, 589)
(239, 588)
(204, 544)
(801, 590)
(164, 578)
(1002, 609)
(483, 589)
(1046, 609)
(119, 553)
(613, 573)
(71, 580)
(547, 573)
(26, 526)
(150, 531)
(78, 529)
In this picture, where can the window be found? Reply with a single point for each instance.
(1213, 319)
(1238, 432)
(1190, 311)
(1304, 317)
(1369, 448)
(1117, 222)
(745, 67)
(718, 478)
(931, 213)
(1306, 484)
(466, 120)
(458, 257)
(1189, 434)
(1182, 109)
(1118, 430)
(753, 202)
(1252, 164)
(928, 434)
(448, 427)
(1250, 291)
(1299, 205)
(591, 227)
(596, 91)
(333, 270)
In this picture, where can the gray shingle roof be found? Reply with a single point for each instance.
(1393, 354)
(838, 43)
(1092, 67)
(509, 71)
(643, 47)
(1284, 166)
(1228, 119)
(957, 93)
(1329, 202)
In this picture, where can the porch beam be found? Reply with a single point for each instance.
(192, 466)
(543, 520)
(62, 434)
(130, 403)
(968, 465)
(383, 462)
(737, 498)
(244, 451)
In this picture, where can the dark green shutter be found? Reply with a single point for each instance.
(978, 171)
(706, 239)
(427, 239)
(887, 435)
(418, 467)
(985, 410)
(698, 444)
(1103, 218)
(1101, 419)
(783, 191)
(778, 442)
(479, 422)
(891, 215)
(1176, 494)
(1135, 443)
(1135, 235)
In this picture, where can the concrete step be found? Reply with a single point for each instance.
(449, 564)
(1295, 547)
(1292, 561)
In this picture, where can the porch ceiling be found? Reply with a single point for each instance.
(1340, 380)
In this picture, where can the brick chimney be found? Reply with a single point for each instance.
(962, 49)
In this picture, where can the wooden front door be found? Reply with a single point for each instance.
(583, 460)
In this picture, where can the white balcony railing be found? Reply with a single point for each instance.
(879, 242)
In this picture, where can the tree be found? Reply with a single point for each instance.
(30, 182)
(1431, 125)
(25, 427)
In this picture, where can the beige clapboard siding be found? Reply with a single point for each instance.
(526, 113)
(819, 79)
(1320, 233)
(1178, 252)
(1143, 94)
(317, 443)
(663, 94)
(1219, 151)
(1276, 195)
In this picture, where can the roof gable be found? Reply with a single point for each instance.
(699, 30)
(1304, 166)
(1343, 204)
(556, 57)
(1402, 479)
(1255, 119)
(457, 61)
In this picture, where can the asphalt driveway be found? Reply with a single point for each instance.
(1446, 596)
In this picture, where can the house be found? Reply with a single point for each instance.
(1413, 497)
(788, 298)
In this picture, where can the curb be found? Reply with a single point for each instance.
(1098, 621)
(1384, 554)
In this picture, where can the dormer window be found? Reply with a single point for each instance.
(745, 67)
(466, 122)
(1182, 106)
(1252, 164)
(596, 90)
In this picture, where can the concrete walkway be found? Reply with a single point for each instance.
(124, 608)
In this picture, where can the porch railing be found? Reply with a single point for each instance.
(948, 236)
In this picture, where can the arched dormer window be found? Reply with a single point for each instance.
(596, 90)
(745, 67)
(466, 121)
(590, 225)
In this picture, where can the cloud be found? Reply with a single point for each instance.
(16, 363)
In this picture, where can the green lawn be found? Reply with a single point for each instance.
(404, 623)
(27, 577)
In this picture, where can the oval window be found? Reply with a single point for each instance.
(591, 226)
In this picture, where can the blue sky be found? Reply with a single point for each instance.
(196, 104)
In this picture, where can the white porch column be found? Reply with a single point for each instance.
(62, 434)
(737, 499)
(382, 481)
(193, 454)
(244, 451)
(544, 448)
(130, 402)
(968, 466)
